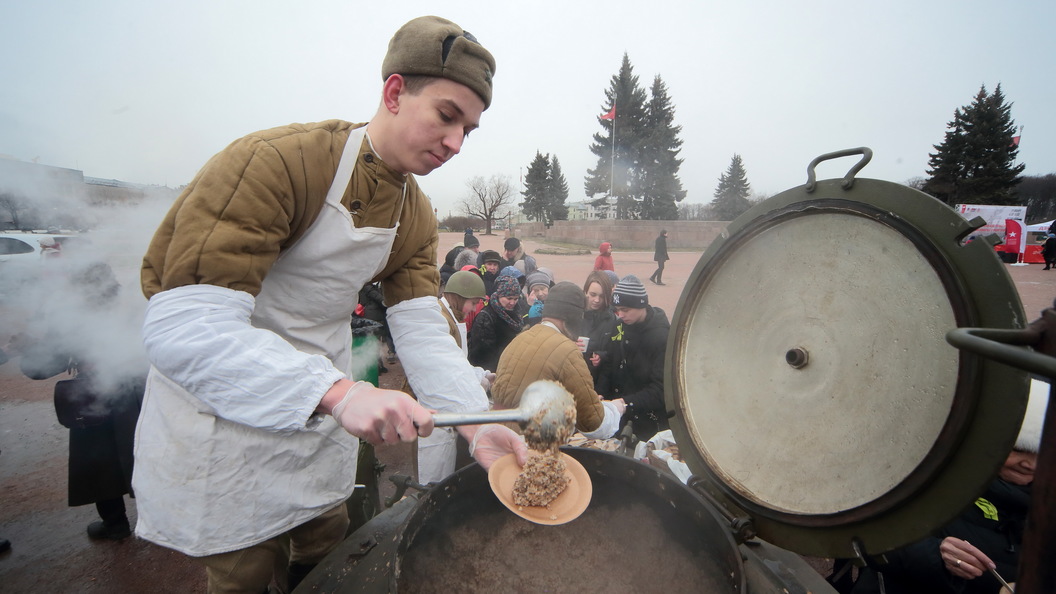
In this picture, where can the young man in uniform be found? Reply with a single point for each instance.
(251, 421)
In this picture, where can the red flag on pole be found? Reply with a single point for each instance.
(1015, 141)
(611, 115)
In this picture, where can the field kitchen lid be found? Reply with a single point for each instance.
(809, 377)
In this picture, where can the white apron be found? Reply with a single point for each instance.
(205, 485)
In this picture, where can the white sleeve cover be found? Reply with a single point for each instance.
(437, 370)
(609, 425)
(200, 337)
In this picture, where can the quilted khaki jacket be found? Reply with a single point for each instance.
(261, 193)
(543, 353)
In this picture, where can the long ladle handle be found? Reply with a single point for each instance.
(512, 415)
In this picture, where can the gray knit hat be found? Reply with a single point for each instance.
(566, 302)
(537, 278)
(433, 46)
(630, 292)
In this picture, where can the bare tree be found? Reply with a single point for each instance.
(16, 208)
(489, 200)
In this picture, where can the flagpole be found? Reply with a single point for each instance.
(612, 157)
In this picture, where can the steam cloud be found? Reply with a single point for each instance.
(86, 303)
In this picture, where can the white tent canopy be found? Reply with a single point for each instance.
(1040, 227)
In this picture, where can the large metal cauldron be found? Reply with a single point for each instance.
(643, 531)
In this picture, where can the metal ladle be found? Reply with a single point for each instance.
(549, 398)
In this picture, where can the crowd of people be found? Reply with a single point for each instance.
(598, 336)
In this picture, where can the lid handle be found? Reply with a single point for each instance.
(848, 180)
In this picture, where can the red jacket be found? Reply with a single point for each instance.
(604, 259)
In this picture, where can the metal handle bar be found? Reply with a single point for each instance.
(848, 180)
(512, 415)
(998, 345)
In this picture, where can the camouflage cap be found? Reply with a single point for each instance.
(433, 46)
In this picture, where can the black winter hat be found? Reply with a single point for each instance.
(471, 241)
(491, 256)
(630, 292)
(511, 244)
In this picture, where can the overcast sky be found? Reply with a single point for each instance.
(146, 92)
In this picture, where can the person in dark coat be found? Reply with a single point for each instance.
(513, 252)
(989, 533)
(449, 267)
(496, 325)
(100, 406)
(5, 545)
(373, 302)
(660, 256)
(634, 371)
(470, 254)
(599, 323)
(1048, 251)
(492, 262)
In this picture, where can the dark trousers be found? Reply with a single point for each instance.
(112, 511)
(659, 274)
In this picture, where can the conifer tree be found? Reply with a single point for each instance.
(660, 187)
(536, 188)
(545, 191)
(731, 195)
(975, 163)
(617, 169)
(556, 209)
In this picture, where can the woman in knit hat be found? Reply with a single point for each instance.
(496, 325)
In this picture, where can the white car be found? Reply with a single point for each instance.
(25, 246)
(19, 246)
(20, 257)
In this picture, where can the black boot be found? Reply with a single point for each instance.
(102, 531)
(5, 545)
(114, 523)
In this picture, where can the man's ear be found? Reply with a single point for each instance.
(390, 93)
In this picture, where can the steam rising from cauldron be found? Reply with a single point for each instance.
(86, 302)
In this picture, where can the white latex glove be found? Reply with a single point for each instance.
(487, 380)
(382, 416)
(492, 442)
